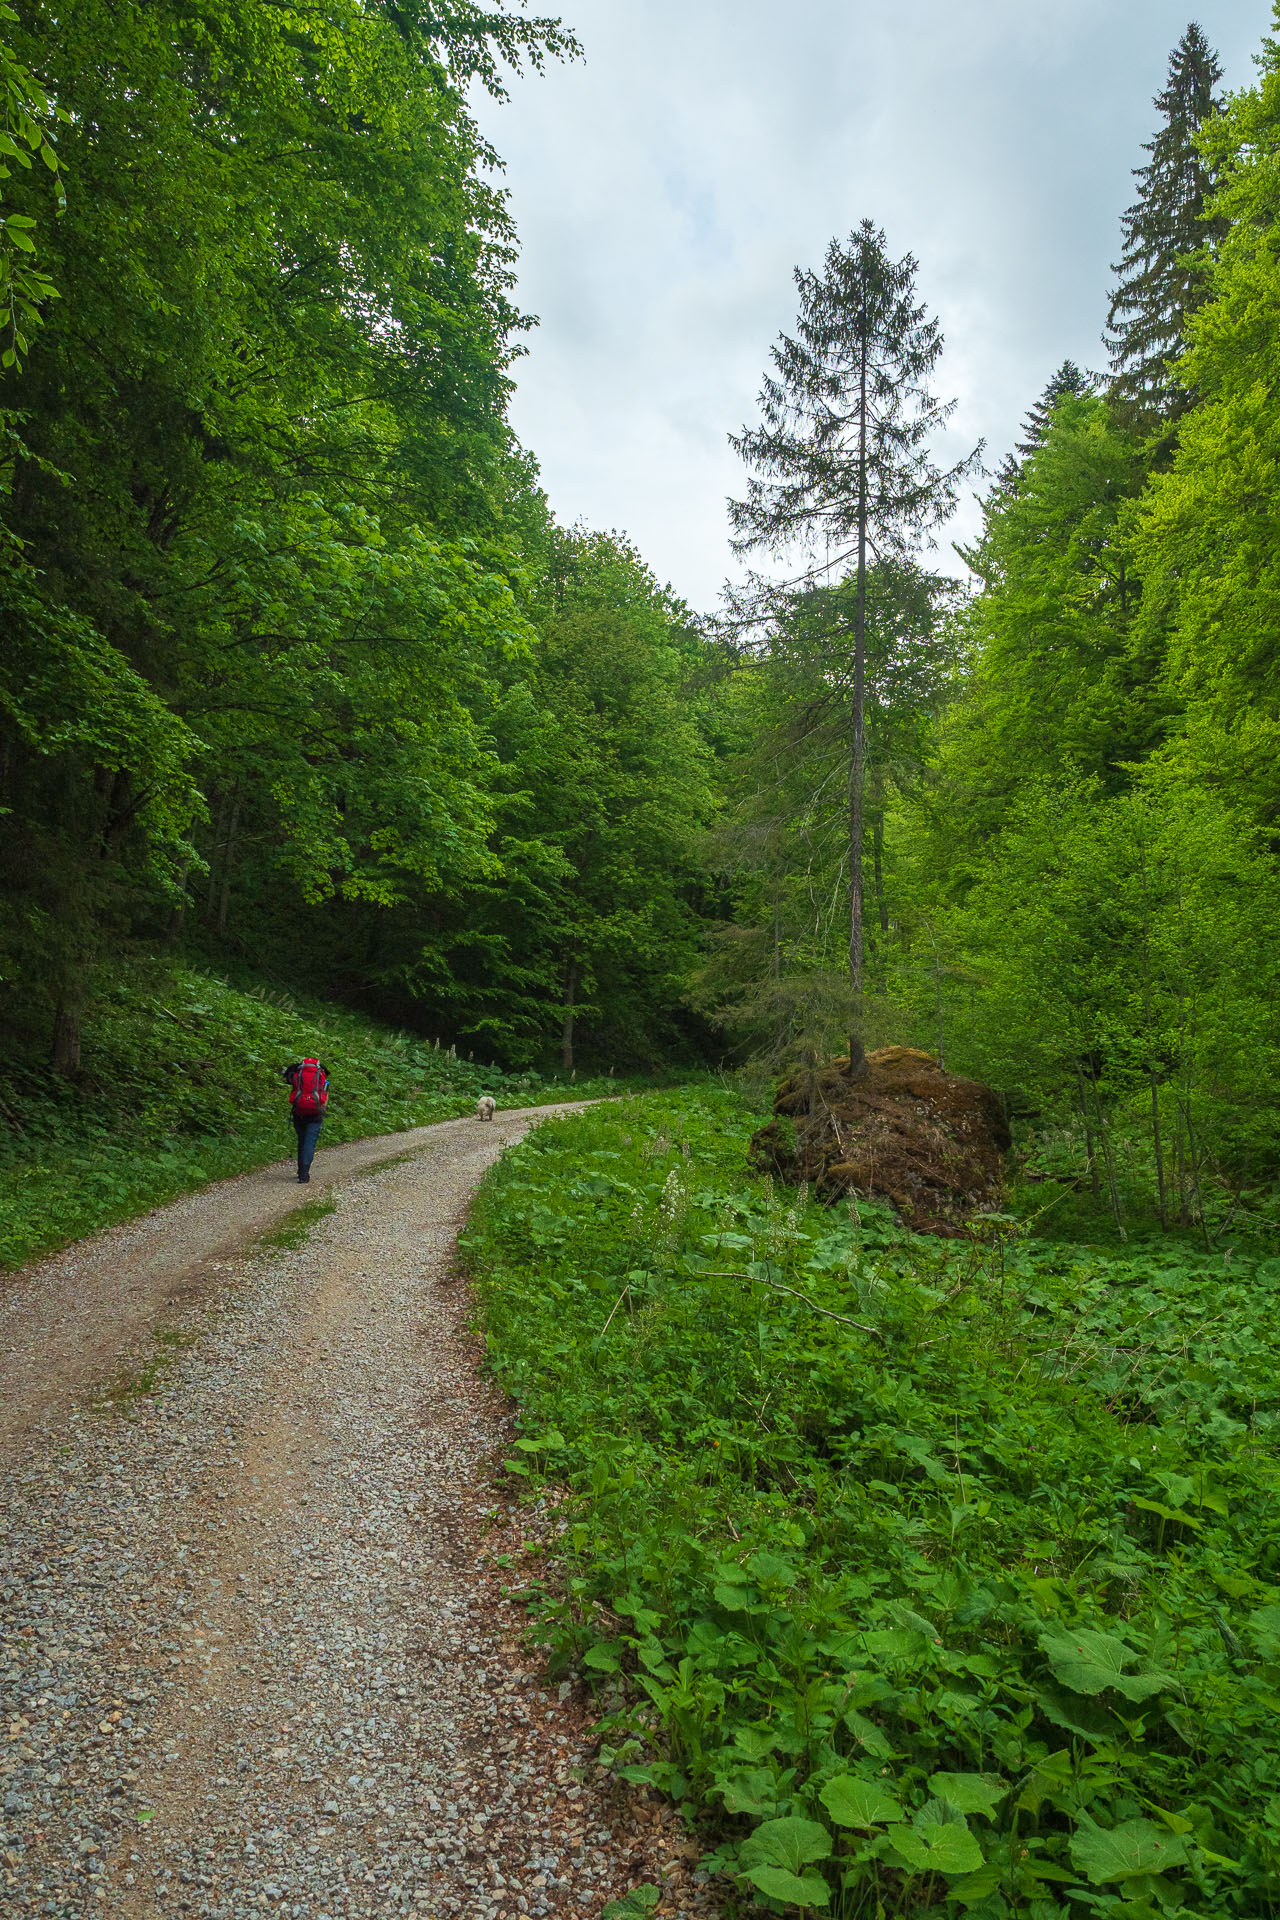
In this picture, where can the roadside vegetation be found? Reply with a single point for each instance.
(926, 1574)
(180, 1084)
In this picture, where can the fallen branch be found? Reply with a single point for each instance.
(843, 1318)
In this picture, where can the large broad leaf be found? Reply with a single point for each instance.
(1264, 1626)
(754, 1792)
(1123, 1852)
(971, 1889)
(770, 1569)
(895, 1643)
(969, 1792)
(1088, 1662)
(868, 1735)
(1179, 1487)
(1088, 1718)
(735, 1599)
(731, 1571)
(852, 1802)
(792, 1843)
(1166, 1513)
(906, 1617)
(635, 1905)
(933, 1847)
(793, 1889)
(596, 1184)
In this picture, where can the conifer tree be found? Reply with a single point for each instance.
(1069, 380)
(1161, 280)
(842, 459)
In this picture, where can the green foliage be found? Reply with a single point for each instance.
(28, 119)
(587, 924)
(1055, 684)
(1167, 233)
(181, 1084)
(1207, 533)
(1126, 948)
(777, 972)
(979, 1612)
(271, 556)
(1068, 381)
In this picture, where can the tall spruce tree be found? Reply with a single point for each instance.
(843, 459)
(1161, 280)
(1069, 381)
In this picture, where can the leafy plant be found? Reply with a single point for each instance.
(978, 1611)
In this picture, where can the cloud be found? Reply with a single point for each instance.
(665, 188)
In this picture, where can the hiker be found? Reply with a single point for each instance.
(308, 1098)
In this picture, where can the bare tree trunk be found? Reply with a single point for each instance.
(1197, 1164)
(1159, 1151)
(215, 844)
(68, 1022)
(877, 854)
(1180, 1167)
(858, 714)
(177, 913)
(857, 1056)
(1090, 1146)
(566, 1030)
(937, 1007)
(228, 860)
(1109, 1163)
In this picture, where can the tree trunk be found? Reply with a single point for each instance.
(228, 860)
(875, 786)
(937, 1007)
(877, 854)
(1109, 1164)
(68, 1021)
(1090, 1146)
(858, 717)
(566, 1030)
(177, 913)
(215, 844)
(1158, 1144)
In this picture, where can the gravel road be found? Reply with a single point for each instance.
(256, 1651)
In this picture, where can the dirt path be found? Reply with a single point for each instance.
(66, 1321)
(256, 1652)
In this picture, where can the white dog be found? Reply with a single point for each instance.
(486, 1107)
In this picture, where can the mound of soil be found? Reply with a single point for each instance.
(900, 1130)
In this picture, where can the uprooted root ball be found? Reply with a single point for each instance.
(903, 1130)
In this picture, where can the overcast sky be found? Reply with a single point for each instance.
(665, 186)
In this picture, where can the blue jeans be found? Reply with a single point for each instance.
(307, 1127)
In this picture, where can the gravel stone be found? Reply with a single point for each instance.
(256, 1654)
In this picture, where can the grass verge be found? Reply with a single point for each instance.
(927, 1576)
(297, 1227)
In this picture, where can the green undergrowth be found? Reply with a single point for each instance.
(948, 1580)
(180, 1084)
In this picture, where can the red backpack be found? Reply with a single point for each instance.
(310, 1095)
